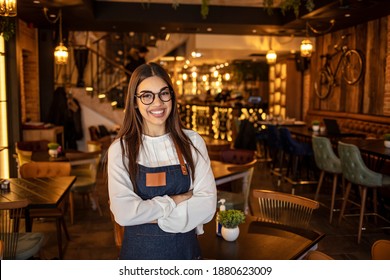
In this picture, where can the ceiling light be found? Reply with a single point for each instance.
(61, 52)
(8, 8)
(271, 57)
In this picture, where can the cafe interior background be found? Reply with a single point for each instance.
(205, 46)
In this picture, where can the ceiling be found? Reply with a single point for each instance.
(225, 18)
(239, 17)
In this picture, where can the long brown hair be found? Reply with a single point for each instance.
(130, 133)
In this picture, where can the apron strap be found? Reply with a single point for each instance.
(181, 160)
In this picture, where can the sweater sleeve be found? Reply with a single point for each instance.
(127, 207)
(201, 207)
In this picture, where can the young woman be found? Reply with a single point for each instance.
(160, 181)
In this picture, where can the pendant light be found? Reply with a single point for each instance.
(61, 52)
(271, 54)
(8, 8)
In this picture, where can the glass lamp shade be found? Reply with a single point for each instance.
(271, 57)
(8, 8)
(306, 48)
(61, 54)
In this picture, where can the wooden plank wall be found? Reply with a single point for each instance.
(366, 96)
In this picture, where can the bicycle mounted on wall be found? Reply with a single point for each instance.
(350, 62)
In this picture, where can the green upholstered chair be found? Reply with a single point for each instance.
(327, 161)
(17, 245)
(356, 172)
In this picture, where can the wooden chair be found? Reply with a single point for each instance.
(284, 208)
(84, 167)
(245, 162)
(380, 250)
(15, 244)
(317, 255)
(49, 169)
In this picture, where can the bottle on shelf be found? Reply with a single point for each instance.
(222, 207)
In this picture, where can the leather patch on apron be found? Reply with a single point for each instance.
(156, 179)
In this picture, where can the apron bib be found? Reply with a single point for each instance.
(148, 241)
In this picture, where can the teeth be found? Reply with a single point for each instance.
(157, 112)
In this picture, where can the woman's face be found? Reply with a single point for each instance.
(156, 113)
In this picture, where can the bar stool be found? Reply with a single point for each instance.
(327, 161)
(356, 172)
(296, 152)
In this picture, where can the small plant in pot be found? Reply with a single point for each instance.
(386, 137)
(53, 149)
(230, 219)
(315, 125)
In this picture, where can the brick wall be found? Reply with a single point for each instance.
(29, 74)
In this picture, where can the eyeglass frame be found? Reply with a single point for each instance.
(154, 95)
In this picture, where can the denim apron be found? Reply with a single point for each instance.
(148, 241)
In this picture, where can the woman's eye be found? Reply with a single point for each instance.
(147, 96)
(165, 93)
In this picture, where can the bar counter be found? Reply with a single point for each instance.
(217, 119)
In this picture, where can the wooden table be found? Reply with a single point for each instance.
(259, 241)
(47, 192)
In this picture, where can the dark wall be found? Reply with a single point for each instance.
(46, 72)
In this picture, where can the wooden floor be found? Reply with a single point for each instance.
(92, 235)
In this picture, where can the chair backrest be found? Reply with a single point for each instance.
(380, 250)
(273, 137)
(45, 169)
(10, 215)
(34, 146)
(284, 208)
(84, 164)
(94, 133)
(324, 155)
(23, 156)
(317, 255)
(237, 156)
(354, 168)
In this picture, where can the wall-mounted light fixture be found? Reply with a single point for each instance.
(306, 44)
(8, 8)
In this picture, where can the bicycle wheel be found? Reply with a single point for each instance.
(352, 67)
(323, 84)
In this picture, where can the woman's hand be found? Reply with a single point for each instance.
(178, 198)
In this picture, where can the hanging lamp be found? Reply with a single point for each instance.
(61, 52)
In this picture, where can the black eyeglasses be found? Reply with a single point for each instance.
(147, 97)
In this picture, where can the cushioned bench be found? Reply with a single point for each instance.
(370, 125)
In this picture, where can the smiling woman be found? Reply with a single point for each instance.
(161, 186)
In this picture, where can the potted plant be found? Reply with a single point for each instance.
(387, 140)
(315, 125)
(53, 149)
(230, 219)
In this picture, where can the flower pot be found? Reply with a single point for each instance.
(53, 153)
(230, 234)
(316, 128)
(387, 143)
